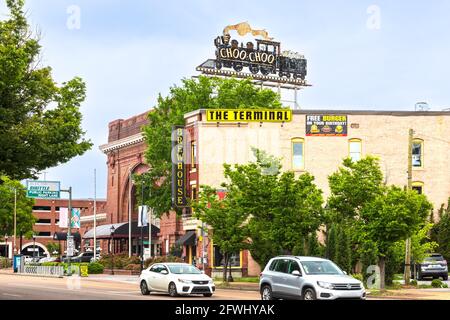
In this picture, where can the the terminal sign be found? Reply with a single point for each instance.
(249, 115)
(326, 125)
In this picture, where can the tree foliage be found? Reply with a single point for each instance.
(227, 220)
(284, 210)
(194, 94)
(25, 218)
(378, 216)
(40, 122)
(440, 233)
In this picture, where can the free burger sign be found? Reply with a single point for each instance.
(326, 125)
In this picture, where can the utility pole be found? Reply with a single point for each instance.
(69, 270)
(15, 221)
(95, 215)
(129, 215)
(407, 275)
(142, 226)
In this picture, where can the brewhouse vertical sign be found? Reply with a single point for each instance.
(178, 169)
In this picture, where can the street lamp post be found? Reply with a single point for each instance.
(34, 247)
(112, 257)
(6, 250)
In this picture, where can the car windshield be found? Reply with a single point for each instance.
(183, 269)
(434, 258)
(321, 267)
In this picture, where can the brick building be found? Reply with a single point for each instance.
(380, 133)
(46, 228)
(125, 157)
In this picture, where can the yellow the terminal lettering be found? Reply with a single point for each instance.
(249, 115)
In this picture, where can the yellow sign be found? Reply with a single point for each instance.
(249, 115)
(84, 271)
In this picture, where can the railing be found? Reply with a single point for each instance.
(57, 271)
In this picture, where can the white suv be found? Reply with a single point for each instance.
(307, 278)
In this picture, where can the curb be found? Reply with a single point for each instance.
(33, 275)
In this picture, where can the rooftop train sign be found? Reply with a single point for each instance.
(263, 58)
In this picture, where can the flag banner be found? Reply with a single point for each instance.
(143, 216)
(63, 217)
(75, 219)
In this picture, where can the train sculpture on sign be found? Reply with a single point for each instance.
(266, 57)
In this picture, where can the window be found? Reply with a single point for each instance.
(298, 154)
(282, 266)
(42, 208)
(44, 234)
(354, 149)
(293, 266)
(193, 154)
(418, 186)
(45, 221)
(194, 192)
(219, 260)
(417, 153)
(273, 265)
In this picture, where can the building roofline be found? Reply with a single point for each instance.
(352, 112)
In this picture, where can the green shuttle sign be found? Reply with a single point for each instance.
(43, 189)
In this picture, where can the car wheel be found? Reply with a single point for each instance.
(208, 295)
(266, 292)
(173, 290)
(445, 278)
(144, 288)
(309, 294)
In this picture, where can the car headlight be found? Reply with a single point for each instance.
(184, 281)
(210, 282)
(325, 285)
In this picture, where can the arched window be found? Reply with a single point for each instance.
(298, 154)
(355, 149)
(417, 153)
(418, 186)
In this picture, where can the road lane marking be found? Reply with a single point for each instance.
(12, 295)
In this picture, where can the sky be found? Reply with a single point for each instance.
(380, 55)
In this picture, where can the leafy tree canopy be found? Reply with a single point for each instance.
(25, 218)
(193, 94)
(40, 122)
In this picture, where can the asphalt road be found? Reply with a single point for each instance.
(13, 287)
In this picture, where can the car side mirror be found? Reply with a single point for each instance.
(164, 272)
(296, 273)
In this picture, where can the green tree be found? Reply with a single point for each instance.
(227, 220)
(204, 92)
(393, 215)
(53, 247)
(284, 210)
(343, 251)
(34, 136)
(440, 232)
(354, 185)
(25, 218)
(330, 249)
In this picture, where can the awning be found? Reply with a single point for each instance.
(62, 236)
(121, 230)
(187, 240)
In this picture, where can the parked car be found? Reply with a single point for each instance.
(48, 259)
(433, 266)
(307, 278)
(83, 257)
(175, 279)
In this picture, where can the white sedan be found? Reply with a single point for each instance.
(176, 279)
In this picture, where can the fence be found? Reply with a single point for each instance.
(57, 271)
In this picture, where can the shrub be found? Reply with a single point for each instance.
(95, 268)
(437, 283)
(133, 267)
(358, 276)
(5, 263)
(413, 282)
